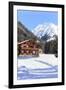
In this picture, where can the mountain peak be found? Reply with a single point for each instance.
(49, 29)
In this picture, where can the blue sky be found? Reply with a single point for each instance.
(32, 18)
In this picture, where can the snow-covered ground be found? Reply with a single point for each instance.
(44, 66)
(37, 62)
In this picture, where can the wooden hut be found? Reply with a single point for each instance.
(28, 47)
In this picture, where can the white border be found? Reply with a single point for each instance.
(34, 81)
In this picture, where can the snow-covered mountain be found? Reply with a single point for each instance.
(47, 30)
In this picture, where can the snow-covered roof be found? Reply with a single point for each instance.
(23, 41)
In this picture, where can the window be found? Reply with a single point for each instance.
(34, 52)
(22, 51)
(27, 51)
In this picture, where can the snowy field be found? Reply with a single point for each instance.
(44, 66)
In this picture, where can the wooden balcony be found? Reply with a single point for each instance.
(30, 49)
